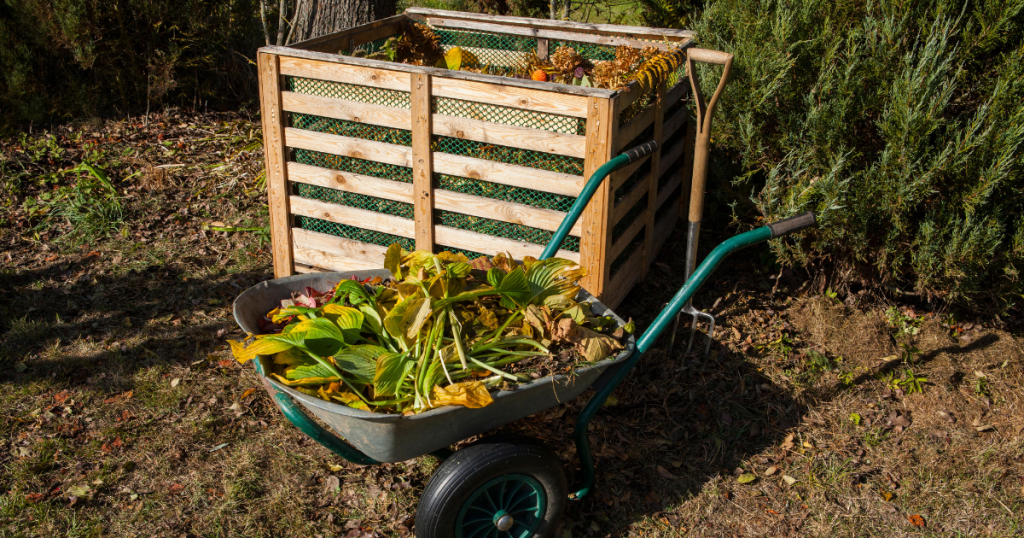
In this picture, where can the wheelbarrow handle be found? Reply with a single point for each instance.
(630, 156)
(318, 433)
(647, 339)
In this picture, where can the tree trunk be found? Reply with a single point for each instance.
(321, 17)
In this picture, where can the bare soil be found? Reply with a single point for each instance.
(124, 415)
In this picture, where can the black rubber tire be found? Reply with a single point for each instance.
(468, 469)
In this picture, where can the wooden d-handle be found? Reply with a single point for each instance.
(704, 114)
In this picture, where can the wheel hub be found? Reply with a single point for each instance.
(503, 521)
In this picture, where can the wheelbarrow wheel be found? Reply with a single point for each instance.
(505, 487)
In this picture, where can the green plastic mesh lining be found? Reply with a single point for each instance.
(350, 92)
(351, 129)
(372, 46)
(508, 50)
(357, 234)
(359, 201)
(509, 116)
(501, 229)
(505, 193)
(641, 173)
(356, 166)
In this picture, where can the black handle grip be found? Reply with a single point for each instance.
(793, 224)
(642, 151)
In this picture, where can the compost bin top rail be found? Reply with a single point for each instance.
(568, 26)
(436, 71)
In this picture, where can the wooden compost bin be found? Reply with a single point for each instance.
(363, 153)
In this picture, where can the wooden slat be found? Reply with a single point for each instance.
(668, 159)
(350, 147)
(277, 174)
(302, 268)
(330, 107)
(478, 206)
(336, 41)
(633, 91)
(560, 34)
(652, 181)
(500, 94)
(627, 237)
(508, 174)
(510, 135)
(635, 126)
(360, 218)
(490, 245)
(594, 247)
(387, 79)
(377, 67)
(659, 34)
(350, 182)
(336, 253)
(677, 92)
(422, 162)
(664, 194)
(622, 174)
(624, 280)
(674, 123)
(629, 201)
(663, 229)
(542, 49)
(468, 204)
(452, 126)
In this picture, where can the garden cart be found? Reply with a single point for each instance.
(502, 485)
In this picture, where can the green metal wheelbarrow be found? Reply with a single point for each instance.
(501, 486)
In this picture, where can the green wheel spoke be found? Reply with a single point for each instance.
(516, 495)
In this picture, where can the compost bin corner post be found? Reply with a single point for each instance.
(595, 240)
(422, 160)
(275, 159)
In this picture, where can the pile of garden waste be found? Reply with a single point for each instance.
(441, 332)
(420, 45)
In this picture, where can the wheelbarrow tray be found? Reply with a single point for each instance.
(392, 438)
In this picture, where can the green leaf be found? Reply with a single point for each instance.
(746, 478)
(553, 276)
(310, 369)
(360, 361)
(459, 269)
(321, 336)
(350, 290)
(514, 289)
(495, 276)
(391, 371)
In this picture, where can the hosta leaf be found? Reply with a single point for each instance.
(312, 369)
(264, 345)
(452, 257)
(514, 289)
(346, 317)
(360, 361)
(372, 317)
(453, 58)
(595, 346)
(350, 290)
(321, 336)
(292, 357)
(308, 381)
(407, 318)
(471, 394)
(459, 269)
(393, 260)
(390, 372)
(495, 276)
(553, 277)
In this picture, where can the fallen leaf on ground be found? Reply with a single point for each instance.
(787, 443)
(916, 520)
(746, 478)
(81, 490)
(247, 393)
(175, 382)
(664, 473)
(789, 479)
(175, 488)
(771, 470)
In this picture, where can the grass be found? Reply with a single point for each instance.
(97, 405)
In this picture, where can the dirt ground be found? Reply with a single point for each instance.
(816, 414)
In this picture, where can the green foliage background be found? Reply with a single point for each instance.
(900, 123)
(64, 59)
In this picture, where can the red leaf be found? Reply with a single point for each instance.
(175, 488)
(61, 396)
(35, 497)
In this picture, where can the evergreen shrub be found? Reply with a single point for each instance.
(900, 123)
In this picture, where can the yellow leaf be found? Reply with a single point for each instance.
(453, 58)
(245, 354)
(472, 394)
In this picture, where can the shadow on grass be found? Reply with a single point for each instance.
(73, 324)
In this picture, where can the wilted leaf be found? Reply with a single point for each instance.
(80, 490)
(344, 316)
(916, 520)
(175, 382)
(771, 470)
(453, 58)
(593, 345)
(472, 394)
(746, 478)
(789, 479)
(393, 260)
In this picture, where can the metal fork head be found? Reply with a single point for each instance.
(697, 316)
